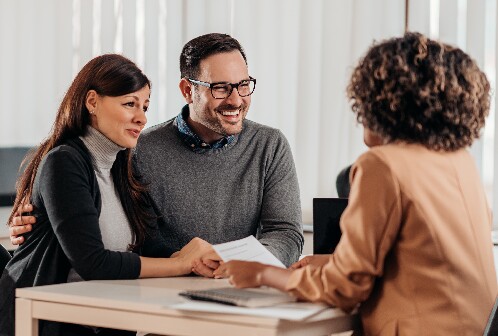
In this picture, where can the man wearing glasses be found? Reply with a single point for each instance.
(212, 173)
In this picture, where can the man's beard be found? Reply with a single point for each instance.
(216, 125)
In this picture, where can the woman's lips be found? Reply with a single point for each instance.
(135, 133)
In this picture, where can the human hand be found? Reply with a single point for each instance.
(207, 264)
(191, 256)
(21, 224)
(242, 274)
(316, 260)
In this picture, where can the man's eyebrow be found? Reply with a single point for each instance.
(226, 82)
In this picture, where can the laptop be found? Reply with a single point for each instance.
(326, 217)
(251, 298)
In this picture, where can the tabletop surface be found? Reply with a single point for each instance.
(158, 296)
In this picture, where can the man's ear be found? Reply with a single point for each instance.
(91, 101)
(186, 90)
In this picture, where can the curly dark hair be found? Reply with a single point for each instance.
(418, 90)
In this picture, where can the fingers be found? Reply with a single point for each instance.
(21, 224)
(301, 263)
(221, 271)
(24, 208)
(211, 255)
(16, 233)
(212, 264)
(16, 240)
(19, 230)
(22, 220)
(201, 269)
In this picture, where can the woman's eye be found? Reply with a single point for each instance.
(130, 104)
(146, 108)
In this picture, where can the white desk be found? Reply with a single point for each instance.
(141, 305)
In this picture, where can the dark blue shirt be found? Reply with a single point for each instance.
(193, 140)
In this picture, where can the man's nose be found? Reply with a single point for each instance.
(234, 98)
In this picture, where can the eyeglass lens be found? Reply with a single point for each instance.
(245, 88)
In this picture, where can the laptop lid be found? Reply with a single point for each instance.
(326, 217)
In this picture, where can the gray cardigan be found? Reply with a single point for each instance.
(67, 200)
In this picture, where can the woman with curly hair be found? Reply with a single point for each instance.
(415, 252)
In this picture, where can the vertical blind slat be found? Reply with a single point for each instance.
(419, 16)
(475, 48)
(151, 37)
(8, 70)
(448, 21)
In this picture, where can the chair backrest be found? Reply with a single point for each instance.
(342, 183)
(492, 325)
(4, 258)
(326, 218)
(10, 161)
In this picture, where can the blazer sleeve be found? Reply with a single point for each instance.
(65, 186)
(369, 227)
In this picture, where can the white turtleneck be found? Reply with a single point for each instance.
(114, 225)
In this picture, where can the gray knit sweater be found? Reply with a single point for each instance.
(248, 187)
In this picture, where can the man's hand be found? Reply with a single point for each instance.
(316, 260)
(205, 265)
(199, 257)
(21, 224)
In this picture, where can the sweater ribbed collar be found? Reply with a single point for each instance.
(102, 150)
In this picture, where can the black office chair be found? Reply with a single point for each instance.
(4, 258)
(10, 158)
(342, 183)
(492, 325)
(10, 161)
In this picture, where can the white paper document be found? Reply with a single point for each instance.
(248, 249)
(288, 311)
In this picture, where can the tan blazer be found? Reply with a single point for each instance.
(416, 248)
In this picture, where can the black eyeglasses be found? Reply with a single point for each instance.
(222, 90)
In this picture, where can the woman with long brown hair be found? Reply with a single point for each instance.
(94, 220)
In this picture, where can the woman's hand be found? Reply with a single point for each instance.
(316, 260)
(243, 274)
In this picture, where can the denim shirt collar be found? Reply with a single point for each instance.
(193, 140)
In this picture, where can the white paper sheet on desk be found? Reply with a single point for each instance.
(296, 311)
(248, 249)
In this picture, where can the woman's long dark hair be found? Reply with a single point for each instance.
(109, 75)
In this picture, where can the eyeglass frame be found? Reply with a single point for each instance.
(232, 86)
